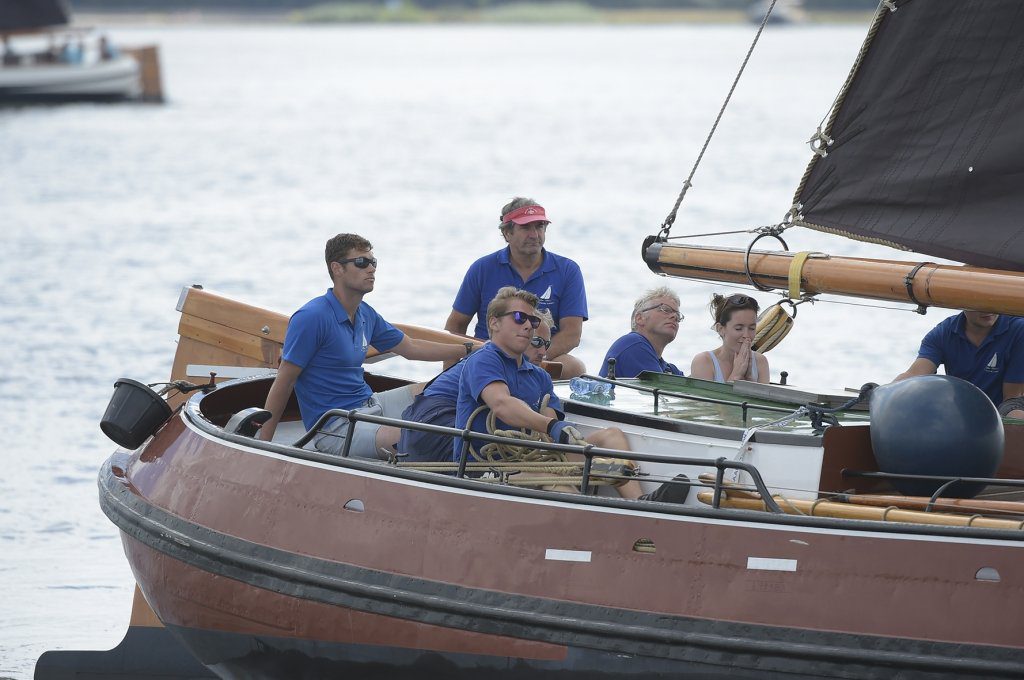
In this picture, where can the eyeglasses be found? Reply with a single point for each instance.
(665, 309)
(537, 341)
(362, 262)
(522, 317)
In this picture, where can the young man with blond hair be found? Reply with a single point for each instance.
(436, 404)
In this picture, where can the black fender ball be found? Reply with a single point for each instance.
(935, 425)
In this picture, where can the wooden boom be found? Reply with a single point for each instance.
(939, 285)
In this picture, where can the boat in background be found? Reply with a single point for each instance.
(43, 59)
(784, 12)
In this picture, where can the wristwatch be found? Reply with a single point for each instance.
(469, 347)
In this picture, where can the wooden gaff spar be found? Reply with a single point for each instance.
(939, 285)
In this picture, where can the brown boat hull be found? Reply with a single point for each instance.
(249, 550)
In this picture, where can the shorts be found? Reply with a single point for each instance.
(1012, 404)
(422, 447)
(389, 404)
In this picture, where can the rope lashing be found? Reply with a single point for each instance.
(666, 226)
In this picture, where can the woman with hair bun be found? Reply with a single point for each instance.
(735, 322)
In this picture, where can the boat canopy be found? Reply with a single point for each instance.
(923, 149)
(27, 15)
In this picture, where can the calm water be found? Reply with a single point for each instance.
(274, 139)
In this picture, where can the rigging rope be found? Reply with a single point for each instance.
(666, 226)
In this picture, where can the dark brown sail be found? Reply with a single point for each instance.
(927, 139)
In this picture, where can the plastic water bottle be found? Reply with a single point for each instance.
(588, 387)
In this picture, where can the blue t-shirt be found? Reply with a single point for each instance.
(447, 384)
(330, 349)
(999, 359)
(558, 282)
(489, 364)
(633, 354)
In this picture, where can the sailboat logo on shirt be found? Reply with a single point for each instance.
(365, 344)
(993, 364)
(546, 295)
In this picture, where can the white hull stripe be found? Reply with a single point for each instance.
(567, 555)
(770, 564)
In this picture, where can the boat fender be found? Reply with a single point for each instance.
(135, 412)
(935, 425)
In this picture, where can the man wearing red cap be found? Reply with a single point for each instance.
(525, 264)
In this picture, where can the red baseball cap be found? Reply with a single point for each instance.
(525, 215)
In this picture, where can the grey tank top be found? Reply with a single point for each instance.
(720, 377)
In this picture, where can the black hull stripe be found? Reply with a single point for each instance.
(558, 622)
(259, 656)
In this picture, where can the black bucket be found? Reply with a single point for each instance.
(134, 413)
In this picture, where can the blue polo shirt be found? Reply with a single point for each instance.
(447, 384)
(999, 359)
(633, 354)
(487, 365)
(330, 349)
(558, 283)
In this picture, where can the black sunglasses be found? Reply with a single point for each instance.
(739, 299)
(362, 262)
(522, 317)
(537, 341)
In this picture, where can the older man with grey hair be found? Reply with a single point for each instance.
(655, 323)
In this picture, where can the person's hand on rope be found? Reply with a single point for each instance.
(564, 432)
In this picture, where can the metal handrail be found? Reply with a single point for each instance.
(588, 451)
(658, 392)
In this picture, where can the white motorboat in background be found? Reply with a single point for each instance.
(44, 59)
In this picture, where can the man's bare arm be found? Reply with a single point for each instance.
(426, 350)
(919, 367)
(1011, 390)
(513, 411)
(457, 323)
(277, 398)
(570, 331)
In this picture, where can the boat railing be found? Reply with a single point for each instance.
(657, 392)
(588, 451)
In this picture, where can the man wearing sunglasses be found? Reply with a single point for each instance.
(436, 404)
(526, 265)
(324, 349)
(654, 323)
(513, 389)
